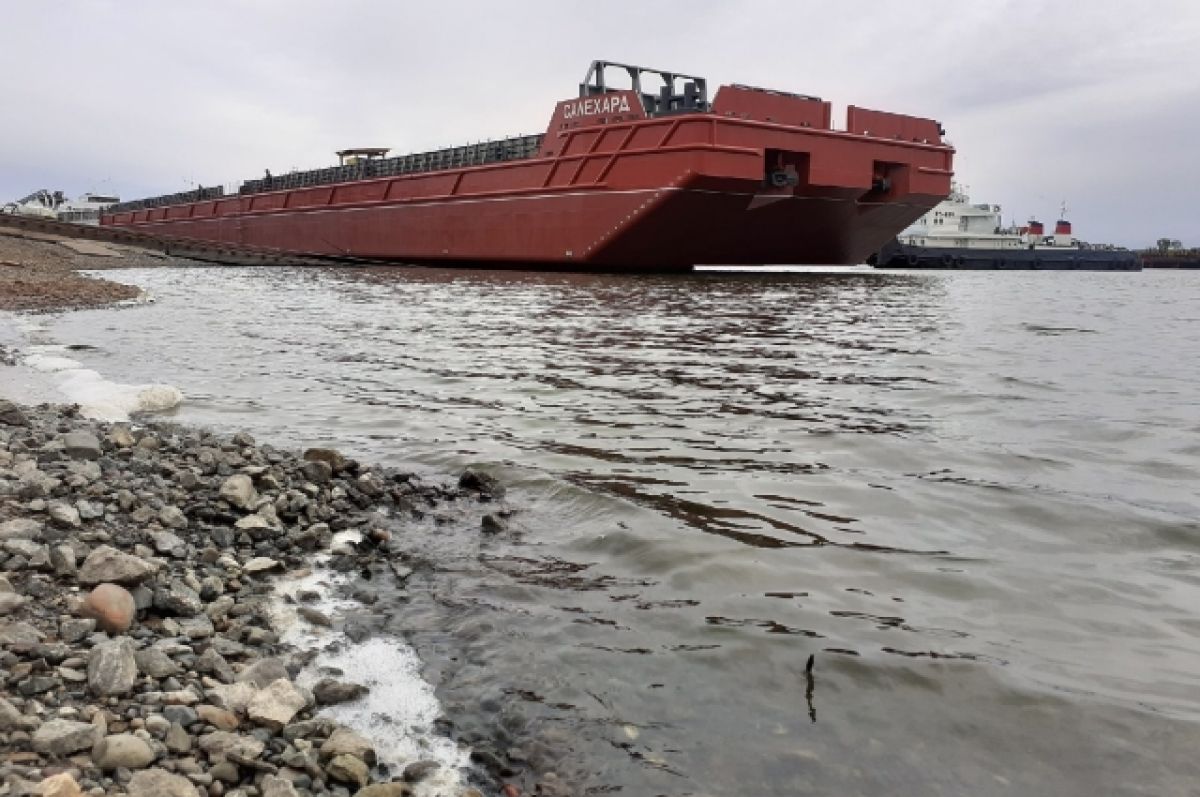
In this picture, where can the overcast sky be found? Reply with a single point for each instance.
(1096, 103)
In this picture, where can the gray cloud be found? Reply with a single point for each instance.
(1046, 101)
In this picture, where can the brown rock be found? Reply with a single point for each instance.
(61, 785)
(111, 606)
(345, 741)
(218, 717)
(348, 769)
(329, 692)
(385, 790)
(121, 437)
(317, 471)
(160, 783)
(329, 456)
(315, 617)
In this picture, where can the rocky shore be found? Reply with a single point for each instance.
(38, 271)
(140, 653)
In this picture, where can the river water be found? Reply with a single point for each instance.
(970, 498)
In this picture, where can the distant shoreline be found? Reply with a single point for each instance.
(39, 272)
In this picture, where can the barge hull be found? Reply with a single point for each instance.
(758, 178)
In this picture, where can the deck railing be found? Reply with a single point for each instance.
(508, 149)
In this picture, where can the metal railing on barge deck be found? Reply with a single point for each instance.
(504, 150)
(180, 198)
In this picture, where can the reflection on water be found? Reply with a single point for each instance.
(809, 533)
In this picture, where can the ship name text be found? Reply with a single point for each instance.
(594, 106)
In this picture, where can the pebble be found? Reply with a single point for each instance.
(135, 580)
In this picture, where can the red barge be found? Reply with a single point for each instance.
(623, 178)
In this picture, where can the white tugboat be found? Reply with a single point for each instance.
(957, 234)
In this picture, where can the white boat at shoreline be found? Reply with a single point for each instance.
(48, 204)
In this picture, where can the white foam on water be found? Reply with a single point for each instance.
(111, 401)
(53, 376)
(48, 363)
(97, 397)
(398, 713)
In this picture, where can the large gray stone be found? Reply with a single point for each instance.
(219, 744)
(64, 515)
(88, 470)
(122, 750)
(213, 663)
(89, 510)
(178, 598)
(199, 627)
(30, 549)
(11, 719)
(276, 705)
(346, 741)
(156, 663)
(256, 526)
(264, 672)
(329, 692)
(177, 739)
(167, 543)
(71, 631)
(16, 633)
(11, 601)
(11, 414)
(173, 517)
(61, 737)
(239, 491)
(275, 786)
(112, 668)
(260, 564)
(232, 697)
(63, 560)
(317, 471)
(106, 563)
(21, 528)
(348, 769)
(81, 445)
(420, 770)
